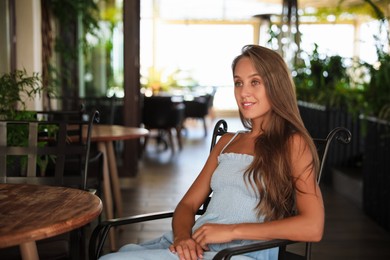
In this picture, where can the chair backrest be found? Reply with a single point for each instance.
(110, 108)
(197, 107)
(220, 129)
(35, 146)
(340, 134)
(159, 112)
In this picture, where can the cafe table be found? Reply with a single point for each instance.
(104, 136)
(33, 212)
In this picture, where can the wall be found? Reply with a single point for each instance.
(29, 41)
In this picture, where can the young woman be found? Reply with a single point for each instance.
(263, 179)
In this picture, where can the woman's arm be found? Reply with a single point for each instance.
(307, 225)
(184, 215)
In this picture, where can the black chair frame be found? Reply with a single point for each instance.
(100, 232)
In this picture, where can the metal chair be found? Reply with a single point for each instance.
(198, 108)
(100, 232)
(164, 113)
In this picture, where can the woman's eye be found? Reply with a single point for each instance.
(237, 84)
(255, 82)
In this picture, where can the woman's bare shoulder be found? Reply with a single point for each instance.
(223, 140)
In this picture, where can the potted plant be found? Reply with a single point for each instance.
(15, 89)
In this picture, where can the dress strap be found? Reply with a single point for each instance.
(231, 140)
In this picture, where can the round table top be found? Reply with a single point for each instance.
(34, 212)
(103, 133)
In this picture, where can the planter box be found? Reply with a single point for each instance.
(368, 151)
(320, 121)
(376, 172)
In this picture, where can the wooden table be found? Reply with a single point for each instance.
(104, 135)
(33, 212)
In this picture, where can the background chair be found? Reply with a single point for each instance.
(44, 148)
(164, 113)
(110, 108)
(100, 232)
(198, 108)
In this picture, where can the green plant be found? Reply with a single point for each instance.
(326, 80)
(74, 20)
(161, 80)
(15, 89)
(376, 92)
(378, 89)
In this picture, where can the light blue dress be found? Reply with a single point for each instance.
(233, 201)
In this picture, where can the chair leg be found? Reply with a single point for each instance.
(170, 139)
(204, 126)
(145, 143)
(77, 244)
(178, 136)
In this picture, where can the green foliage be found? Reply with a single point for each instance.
(377, 92)
(16, 88)
(325, 80)
(68, 45)
(360, 88)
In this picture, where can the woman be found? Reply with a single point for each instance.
(263, 180)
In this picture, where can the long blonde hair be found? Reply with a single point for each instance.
(270, 171)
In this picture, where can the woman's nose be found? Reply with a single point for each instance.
(245, 90)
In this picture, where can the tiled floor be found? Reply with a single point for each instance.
(163, 178)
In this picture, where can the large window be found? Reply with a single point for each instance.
(203, 51)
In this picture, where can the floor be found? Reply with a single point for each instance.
(164, 177)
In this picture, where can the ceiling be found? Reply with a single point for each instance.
(237, 9)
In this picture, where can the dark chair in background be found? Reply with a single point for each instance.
(164, 113)
(53, 140)
(99, 234)
(110, 108)
(200, 107)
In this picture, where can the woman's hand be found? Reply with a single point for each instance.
(187, 249)
(213, 234)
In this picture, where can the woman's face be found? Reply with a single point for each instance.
(249, 91)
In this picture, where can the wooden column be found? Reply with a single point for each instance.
(131, 113)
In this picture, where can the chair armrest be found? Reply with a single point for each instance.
(229, 252)
(99, 234)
